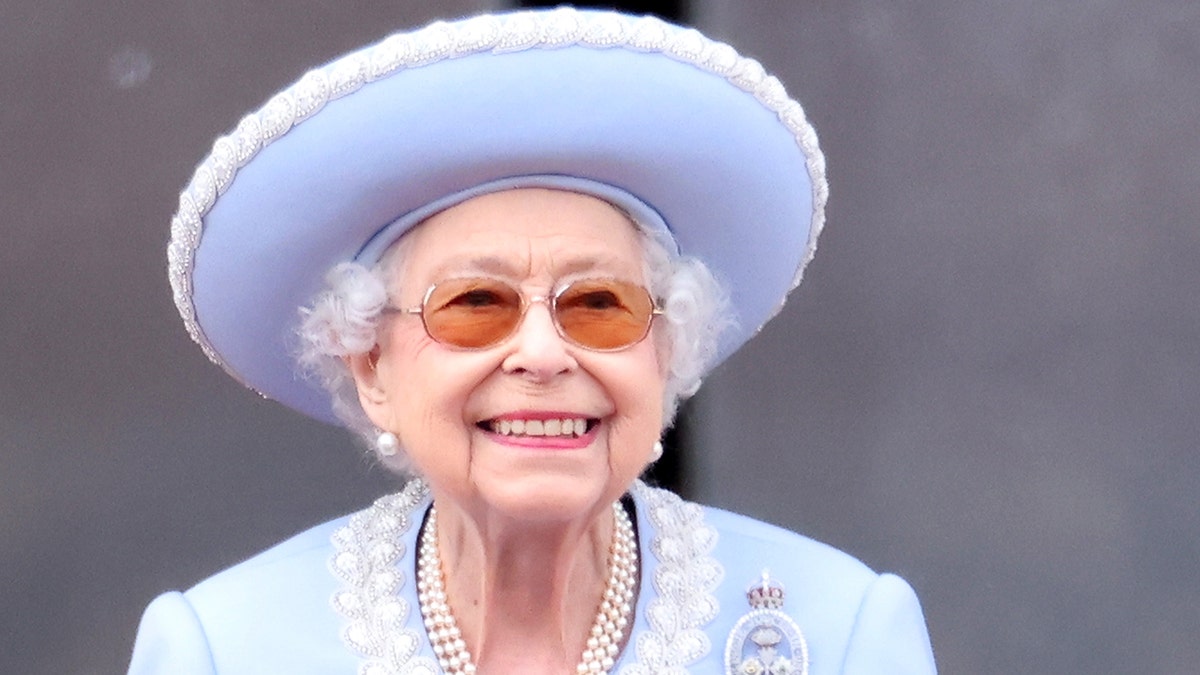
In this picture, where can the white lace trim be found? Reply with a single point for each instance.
(448, 40)
(369, 557)
(684, 581)
(368, 553)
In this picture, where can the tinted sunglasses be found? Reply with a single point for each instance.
(476, 313)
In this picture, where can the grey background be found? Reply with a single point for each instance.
(988, 383)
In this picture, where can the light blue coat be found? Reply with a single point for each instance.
(340, 597)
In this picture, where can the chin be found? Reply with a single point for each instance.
(548, 496)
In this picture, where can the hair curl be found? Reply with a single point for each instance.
(343, 320)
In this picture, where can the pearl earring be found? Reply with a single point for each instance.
(387, 444)
(656, 452)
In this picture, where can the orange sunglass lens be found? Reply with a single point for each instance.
(471, 313)
(604, 314)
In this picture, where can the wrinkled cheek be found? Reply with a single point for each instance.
(652, 407)
(633, 440)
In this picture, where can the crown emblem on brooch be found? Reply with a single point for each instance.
(766, 641)
(766, 595)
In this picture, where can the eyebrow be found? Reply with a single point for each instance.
(504, 267)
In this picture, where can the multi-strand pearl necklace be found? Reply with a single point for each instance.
(604, 639)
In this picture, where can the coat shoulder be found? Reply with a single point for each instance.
(273, 611)
(276, 569)
(779, 550)
(855, 620)
(268, 614)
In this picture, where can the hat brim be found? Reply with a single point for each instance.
(733, 170)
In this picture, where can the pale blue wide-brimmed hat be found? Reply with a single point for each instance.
(689, 137)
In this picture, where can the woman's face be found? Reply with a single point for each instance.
(449, 406)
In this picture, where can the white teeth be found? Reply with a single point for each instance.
(567, 426)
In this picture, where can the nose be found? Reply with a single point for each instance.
(536, 350)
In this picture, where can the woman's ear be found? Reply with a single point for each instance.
(372, 395)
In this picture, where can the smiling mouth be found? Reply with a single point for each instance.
(567, 427)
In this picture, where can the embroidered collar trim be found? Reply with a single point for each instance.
(372, 561)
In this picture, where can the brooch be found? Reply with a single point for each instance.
(765, 641)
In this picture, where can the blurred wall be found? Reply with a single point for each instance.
(988, 382)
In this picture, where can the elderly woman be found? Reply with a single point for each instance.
(520, 221)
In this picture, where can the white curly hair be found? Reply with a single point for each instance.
(343, 320)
